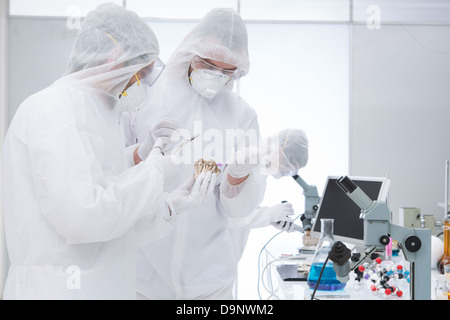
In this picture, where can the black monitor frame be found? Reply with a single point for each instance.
(335, 204)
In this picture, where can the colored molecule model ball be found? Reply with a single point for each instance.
(383, 277)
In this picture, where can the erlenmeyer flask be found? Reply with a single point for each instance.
(328, 281)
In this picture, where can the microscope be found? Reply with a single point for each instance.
(414, 243)
(312, 200)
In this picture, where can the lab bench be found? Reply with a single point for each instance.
(279, 281)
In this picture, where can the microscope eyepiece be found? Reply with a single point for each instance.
(346, 184)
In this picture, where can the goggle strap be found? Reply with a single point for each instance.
(138, 80)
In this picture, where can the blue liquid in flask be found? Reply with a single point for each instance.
(328, 281)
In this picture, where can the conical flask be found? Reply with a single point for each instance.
(328, 281)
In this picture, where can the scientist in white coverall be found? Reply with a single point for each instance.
(284, 154)
(73, 212)
(194, 94)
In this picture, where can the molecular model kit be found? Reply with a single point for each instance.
(383, 279)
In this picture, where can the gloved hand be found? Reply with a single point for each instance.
(159, 136)
(169, 168)
(244, 162)
(192, 194)
(281, 217)
(163, 133)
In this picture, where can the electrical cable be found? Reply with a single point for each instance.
(259, 256)
(268, 264)
(259, 260)
(320, 276)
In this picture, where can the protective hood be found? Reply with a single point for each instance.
(221, 36)
(112, 45)
(286, 152)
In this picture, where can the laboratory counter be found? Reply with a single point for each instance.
(284, 267)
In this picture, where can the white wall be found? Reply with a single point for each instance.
(3, 124)
(3, 65)
(400, 111)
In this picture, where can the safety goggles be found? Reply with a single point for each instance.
(229, 74)
(150, 74)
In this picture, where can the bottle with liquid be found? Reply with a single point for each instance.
(445, 260)
(328, 281)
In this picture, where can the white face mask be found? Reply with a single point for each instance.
(134, 98)
(209, 83)
(276, 166)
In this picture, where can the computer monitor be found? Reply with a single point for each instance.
(336, 204)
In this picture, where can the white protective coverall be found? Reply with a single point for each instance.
(70, 204)
(192, 262)
(284, 153)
